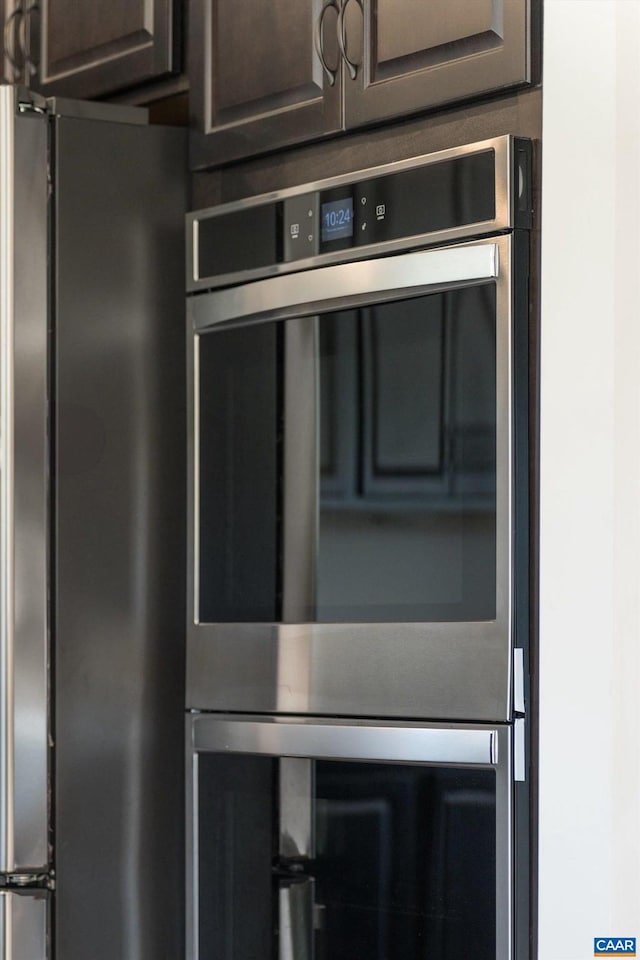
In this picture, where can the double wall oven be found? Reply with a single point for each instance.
(358, 565)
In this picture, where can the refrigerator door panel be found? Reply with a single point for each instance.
(119, 531)
(23, 925)
(23, 489)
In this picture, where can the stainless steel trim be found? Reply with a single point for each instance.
(193, 452)
(392, 669)
(7, 572)
(192, 236)
(504, 849)
(332, 288)
(519, 749)
(296, 910)
(192, 866)
(23, 925)
(518, 680)
(297, 840)
(202, 736)
(23, 489)
(346, 741)
(301, 456)
(503, 220)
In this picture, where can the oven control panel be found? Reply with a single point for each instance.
(480, 188)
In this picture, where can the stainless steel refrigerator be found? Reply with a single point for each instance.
(92, 495)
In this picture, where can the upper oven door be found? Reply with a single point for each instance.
(353, 488)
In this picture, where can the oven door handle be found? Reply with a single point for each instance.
(344, 741)
(344, 285)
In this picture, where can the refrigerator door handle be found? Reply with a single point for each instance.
(23, 490)
(23, 925)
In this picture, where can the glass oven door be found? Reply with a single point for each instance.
(333, 841)
(354, 492)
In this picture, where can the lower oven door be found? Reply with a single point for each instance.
(348, 841)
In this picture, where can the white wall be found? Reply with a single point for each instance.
(590, 477)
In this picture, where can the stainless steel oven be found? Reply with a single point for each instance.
(358, 485)
(333, 839)
(358, 557)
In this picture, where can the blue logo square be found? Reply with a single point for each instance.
(614, 946)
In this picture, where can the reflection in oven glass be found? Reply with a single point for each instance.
(407, 512)
(400, 864)
(404, 434)
(405, 862)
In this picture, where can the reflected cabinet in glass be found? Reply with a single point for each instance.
(347, 464)
(340, 860)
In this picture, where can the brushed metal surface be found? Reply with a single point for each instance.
(454, 671)
(23, 925)
(518, 681)
(519, 749)
(295, 904)
(341, 740)
(342, 285)
(296, 777)
(393, 742)
(23, 490)
(504, 215)
(119, 387)
(300, 470)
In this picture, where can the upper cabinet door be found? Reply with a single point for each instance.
(408, 56)
(89, 48)
(265, 74)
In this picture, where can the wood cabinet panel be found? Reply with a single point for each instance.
(272, 70)
(11, 57)
(6, 72)
(434, 25)
(259, 83)
(423, 55)
(91, 48)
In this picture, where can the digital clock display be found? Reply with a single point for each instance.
(337, 219)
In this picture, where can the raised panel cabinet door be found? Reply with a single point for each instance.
(410, 55)
(265, 74)
(91, 48)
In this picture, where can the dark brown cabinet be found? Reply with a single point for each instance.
(92, 48)
(408, 403)
(6, 72)
(11, 56)
(410, 56)
(266, 75)
(258, 79)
